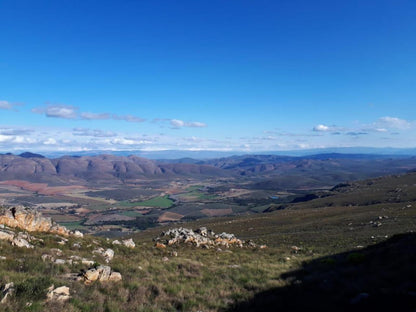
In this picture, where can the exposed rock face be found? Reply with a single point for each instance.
(30, 220)
(102, 273)
(200, 238)
(58, 294)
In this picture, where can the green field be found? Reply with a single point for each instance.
(159, 202)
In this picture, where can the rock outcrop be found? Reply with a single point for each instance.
(30, 220)
(20, 239)
(200, 238)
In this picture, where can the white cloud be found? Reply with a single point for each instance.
(5, 105)
(57, 111)
(94, 116)
(322, 128)
(50, 141)
(129, 118)
(393, 123)
(177, 124)
(5, 138)
(8, 106)
(93, 133)
(14, 131)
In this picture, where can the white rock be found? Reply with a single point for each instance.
(129, 243)
(60, 261)
(7, 292)
(108, 255)
(58, 294)
(78, 234)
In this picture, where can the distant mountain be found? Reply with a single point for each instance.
(95, 169)
(31, 155)
(265, 171)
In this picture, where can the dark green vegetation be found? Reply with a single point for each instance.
(336, 251)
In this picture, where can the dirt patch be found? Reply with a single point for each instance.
(170, 216)
(43, 188)
(96, 219)
(217, 212)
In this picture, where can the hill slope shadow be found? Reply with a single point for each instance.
(381, 277)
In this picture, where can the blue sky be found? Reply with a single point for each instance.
(206, 75)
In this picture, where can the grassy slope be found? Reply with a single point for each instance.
(210, 280)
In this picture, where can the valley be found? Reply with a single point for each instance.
(114, 195)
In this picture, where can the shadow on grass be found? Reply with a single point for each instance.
(381, 277)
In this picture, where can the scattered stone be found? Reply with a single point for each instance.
(21, 242)
(165, 259)
(116, 242)
(56, 251)
(295, 249)
(129, 243)
(87, 262)
(3, 258)
(76, 245)
(58, 294)
(62, 242)
(60, 261)
(263, 247)
(7, 291)
(107, 254)
(102, 273)
(234, 266)
(46, 257)
(173, 253)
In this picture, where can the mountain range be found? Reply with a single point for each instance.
(105, 169)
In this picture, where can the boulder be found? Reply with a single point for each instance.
(58, 294)
(108, 255)
(129, 243)
(7, 291)
(21, 242)
(102, 273)
(78, 234)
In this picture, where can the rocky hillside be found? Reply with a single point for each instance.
(95, 169)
